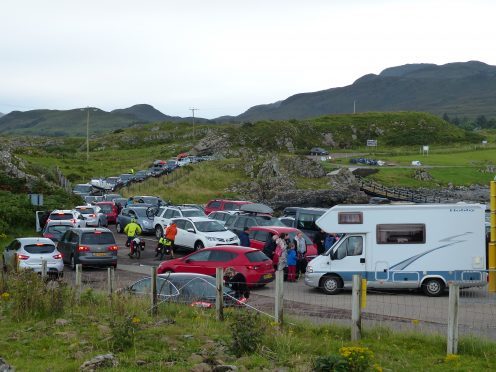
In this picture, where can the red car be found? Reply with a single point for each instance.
(110, 210)
(224, 205)
(251, 263)
(260, 234)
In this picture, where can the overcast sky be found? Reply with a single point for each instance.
(223, 56)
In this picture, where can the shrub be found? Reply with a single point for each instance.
(330, 363)
(247, 333)
(124, 332)
(358, 358)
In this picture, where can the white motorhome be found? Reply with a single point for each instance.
(403, 247)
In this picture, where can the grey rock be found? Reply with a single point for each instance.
(61, 322)
(5, 367)
(195, 358)
(100, 361)
(201, 367)
(225, 368)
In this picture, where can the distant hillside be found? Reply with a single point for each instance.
(458, 89)
(145, 113)
(1, 114)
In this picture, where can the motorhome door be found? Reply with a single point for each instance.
(348, 256)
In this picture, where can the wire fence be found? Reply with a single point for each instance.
(287, 302)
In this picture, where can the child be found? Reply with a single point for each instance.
(292, 259)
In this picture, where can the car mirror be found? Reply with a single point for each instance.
(187, 260)
(191, 230)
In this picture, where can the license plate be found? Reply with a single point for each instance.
(267, 276)
(99, 254)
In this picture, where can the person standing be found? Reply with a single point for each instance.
(292, 260)
(281, 252)
(237, 282)
(170, 234)
(318, 239)
(270, 246)
(244, 238)
(301, 254)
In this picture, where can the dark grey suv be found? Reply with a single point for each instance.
(89, 247)
(237, 222)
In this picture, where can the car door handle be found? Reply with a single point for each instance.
(362, 260)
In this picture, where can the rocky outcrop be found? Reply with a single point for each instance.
(422, 175)
(5, 367)
(100, 361)
(213, 143)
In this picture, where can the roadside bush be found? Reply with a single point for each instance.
(247, 333)
(30, 296)
(124, 332)
(350, 359)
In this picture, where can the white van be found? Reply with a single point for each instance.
(403, 247)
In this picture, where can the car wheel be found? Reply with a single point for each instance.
(158, 231)
(433, 287)
(118, 227)
(331, 284)
(198, 245)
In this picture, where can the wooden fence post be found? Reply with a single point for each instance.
(279, 305)
(154, 290)
(356, 315)
(79, 281)
(219, 298)
(110, 281)
(44, 268)
(454, 299)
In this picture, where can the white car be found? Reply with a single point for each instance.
(30, 252)
(164, 215)
(200, 232)
(74, 217)
(93, 215)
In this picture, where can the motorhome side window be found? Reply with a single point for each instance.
(401, 233)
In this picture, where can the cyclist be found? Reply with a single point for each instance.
(131, 230)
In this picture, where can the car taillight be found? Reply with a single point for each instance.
(22, 257)
(58, 256)
(113, 248)
(83, 248)
(73, 221)
(92, 215)
(47, 235)
(202, 304)
(48, 220)
(252, 267)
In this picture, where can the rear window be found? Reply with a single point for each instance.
(256, 256)
(61, 216)
(97, 238)
(39, 249)
(105, 208)
(193, 213)
(60, 229)
(86, 210)
(268, 221)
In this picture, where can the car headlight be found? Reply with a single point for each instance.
(211, 238)
(146, 223)
(309, 269)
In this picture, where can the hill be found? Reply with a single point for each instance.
(73, 122)
(458, 89)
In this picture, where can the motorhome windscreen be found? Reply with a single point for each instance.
(401, 234)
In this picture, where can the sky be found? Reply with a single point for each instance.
(221, 56)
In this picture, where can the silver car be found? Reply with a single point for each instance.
(28, 253)
(93, 215)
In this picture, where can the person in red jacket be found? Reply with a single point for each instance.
(170, 234)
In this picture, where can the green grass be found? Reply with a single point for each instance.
(193, 184)
(37, 344)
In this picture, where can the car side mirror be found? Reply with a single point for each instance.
(187, 261)
(191, 230)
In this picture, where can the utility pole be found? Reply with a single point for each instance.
(193, 112)
(88, 134)
(354, 106)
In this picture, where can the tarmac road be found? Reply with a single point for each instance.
(398, 309)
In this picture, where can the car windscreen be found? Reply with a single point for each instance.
(83, 188)
(61, 216)
(141, 212)
(268, 221)
(126, 176)
(97, 237)
(193, 213)
(209, 226)
(39, 248)
(256, 256)
(150, 200)
(86, 210)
